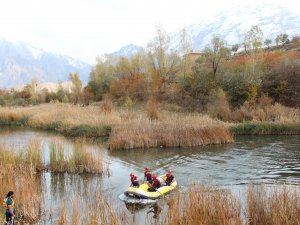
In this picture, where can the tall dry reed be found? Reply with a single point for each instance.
(189, 129)
(33, 155)
(273, 205)
(176, 133)
(57, 158)
(203, 205)
(94, 210)
(82, 159)
(18, 176)
(152, 108)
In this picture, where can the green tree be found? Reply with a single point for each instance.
(282, 39)
(216, 53)
(268, 42)
(235, 48)
(76, 86)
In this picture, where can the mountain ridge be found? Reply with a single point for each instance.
(20, 62)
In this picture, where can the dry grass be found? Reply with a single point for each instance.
(81, 160)
(107, 105)
(273, 206)
(203, 205)
(152, 108)
(173, 131)
(130, 128)
(267, 112)
(94, 210)
(20, 176)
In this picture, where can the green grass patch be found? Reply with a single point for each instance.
(11, 121)
(266, 129)
(87, 131)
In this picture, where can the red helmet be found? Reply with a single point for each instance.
(154, 176)
(147, 169)
(131, 174)
(135, 177)
(170, 171)
(168, 175)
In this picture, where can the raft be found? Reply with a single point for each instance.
(142, 190)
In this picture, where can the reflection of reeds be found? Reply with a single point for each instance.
(273, 206)
(63, 215)
(203, 205)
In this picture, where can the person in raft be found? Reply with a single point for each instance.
(155, 184)
(147, 175)
(170, 178)
(134, 180)
(9, 205)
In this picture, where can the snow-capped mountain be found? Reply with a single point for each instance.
(20, 62)
(127, 51)
(234, 23)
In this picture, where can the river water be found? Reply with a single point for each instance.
(251, 159)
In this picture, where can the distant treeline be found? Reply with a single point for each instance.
(219, 79)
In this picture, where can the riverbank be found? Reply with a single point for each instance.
(264, 128)
(126, 128)
(133, 128)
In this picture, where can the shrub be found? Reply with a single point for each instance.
(152, 108)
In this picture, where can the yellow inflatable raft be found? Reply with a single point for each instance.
(142, 190)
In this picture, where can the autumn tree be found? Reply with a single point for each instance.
(101, 76)
(253, 39)
(163, 61)
(216, 53)
(185, 47)
(76, 86)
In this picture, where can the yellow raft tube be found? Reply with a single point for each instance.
(142, 190)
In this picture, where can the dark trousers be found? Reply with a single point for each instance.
(8, 218)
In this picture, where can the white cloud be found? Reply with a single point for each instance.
(87, 28)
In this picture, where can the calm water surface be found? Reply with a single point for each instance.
(251, 159)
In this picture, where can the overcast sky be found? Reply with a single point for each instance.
(87, 28)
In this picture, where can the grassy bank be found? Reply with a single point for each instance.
(263, 128)
(127, 128)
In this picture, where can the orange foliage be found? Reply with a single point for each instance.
(242, 60)
(293, 55)
(133, 87)
(270, 59)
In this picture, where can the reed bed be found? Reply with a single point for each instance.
(187, 132)
(81, 160)
(94, 210)
(26, 186)
(203, 205)
(29, 160)
(263, 128)
(170, 128)
(273, 206)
